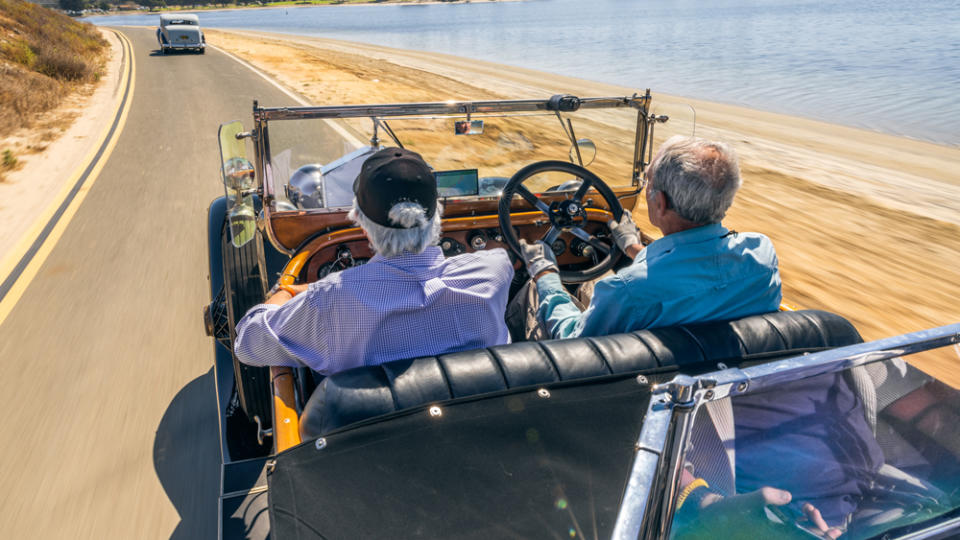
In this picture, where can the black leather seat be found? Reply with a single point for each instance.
(365, 392)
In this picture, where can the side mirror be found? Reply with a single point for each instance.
(239, 183)
(468, 127)
(583, 153)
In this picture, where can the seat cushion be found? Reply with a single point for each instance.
(365, 392)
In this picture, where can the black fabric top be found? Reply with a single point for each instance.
(512, 465)
(391, 176)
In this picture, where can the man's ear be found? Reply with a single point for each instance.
(660, 203)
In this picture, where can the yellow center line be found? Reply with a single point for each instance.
(20, 258)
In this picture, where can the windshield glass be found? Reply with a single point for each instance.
(850, 455)
(475, 158)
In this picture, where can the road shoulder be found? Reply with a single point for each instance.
(29, 193)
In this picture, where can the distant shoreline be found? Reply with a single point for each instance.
(293, 4)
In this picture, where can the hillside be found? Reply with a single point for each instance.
(45, 56)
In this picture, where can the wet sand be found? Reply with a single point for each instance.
(866, 225)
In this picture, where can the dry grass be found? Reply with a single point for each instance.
(44, 57)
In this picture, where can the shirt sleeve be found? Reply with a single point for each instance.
(606, 314)
(270, 335)
(613, 309)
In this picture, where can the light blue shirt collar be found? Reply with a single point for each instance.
(690, 236)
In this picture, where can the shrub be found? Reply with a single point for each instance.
(18, 51)
(9, 160)
(62, 64)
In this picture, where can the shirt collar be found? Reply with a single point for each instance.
(689, 236)
(431, 256)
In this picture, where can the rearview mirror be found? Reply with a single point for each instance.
(468, 127)
(583, 153)
(239, 183)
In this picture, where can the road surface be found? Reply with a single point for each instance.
(111, 428)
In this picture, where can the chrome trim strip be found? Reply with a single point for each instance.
(243, 493)
(447, 108)
(735, 381)
(934, 531)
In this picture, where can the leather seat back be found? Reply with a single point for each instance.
(365, 392)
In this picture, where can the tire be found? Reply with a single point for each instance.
(245, 286)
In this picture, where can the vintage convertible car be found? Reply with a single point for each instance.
(180, 31)
(554, 439)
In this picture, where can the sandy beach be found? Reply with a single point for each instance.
(866, 225)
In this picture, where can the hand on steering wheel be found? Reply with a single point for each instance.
(566, 215)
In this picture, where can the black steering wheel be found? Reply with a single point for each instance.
(565, 215)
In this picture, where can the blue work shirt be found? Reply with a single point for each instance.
(390, 308)
(704, 274)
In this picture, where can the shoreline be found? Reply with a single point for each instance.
(291, 4)
(866, 224)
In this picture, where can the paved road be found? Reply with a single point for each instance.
(110, 427)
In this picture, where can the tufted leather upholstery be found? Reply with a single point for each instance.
(365, 392)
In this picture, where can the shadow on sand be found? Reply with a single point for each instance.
(186, 456)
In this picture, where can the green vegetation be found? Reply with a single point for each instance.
(44, 55)
(9, 163)
(9, 160)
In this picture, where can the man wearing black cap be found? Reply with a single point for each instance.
(408, 301)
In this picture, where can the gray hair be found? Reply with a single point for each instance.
(699, 177)
(388, 242)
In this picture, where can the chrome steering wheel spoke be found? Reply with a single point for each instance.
(551, 236)
(581, 191)
(590, 239)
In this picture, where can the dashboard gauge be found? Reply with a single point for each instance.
(338, 265)
(451, 247)
(478, 241)
(558, 246)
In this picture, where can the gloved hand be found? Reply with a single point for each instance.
(625, 233)
(538, 257)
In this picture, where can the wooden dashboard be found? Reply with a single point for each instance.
(348, 247)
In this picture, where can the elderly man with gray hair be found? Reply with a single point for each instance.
(699, 271)
(407, 301)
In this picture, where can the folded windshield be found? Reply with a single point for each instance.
(853, 454)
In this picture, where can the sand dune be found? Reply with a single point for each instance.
(866, 225)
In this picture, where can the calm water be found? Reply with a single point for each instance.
(891, 66)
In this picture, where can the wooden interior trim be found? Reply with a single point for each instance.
(286, 422)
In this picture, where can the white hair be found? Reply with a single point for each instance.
(698, 177)
(389, 242)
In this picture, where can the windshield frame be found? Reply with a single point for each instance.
(647, 506)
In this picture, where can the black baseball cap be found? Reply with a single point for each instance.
(391, 176)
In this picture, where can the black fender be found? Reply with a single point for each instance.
(216, 215)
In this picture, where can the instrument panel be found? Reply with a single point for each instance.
(570, 251)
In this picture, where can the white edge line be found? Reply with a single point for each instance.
(336, 127)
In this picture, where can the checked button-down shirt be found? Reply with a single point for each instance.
(388, 309)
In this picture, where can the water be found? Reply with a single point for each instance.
(884, 65)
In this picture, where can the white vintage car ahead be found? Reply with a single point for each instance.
(180, 31)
